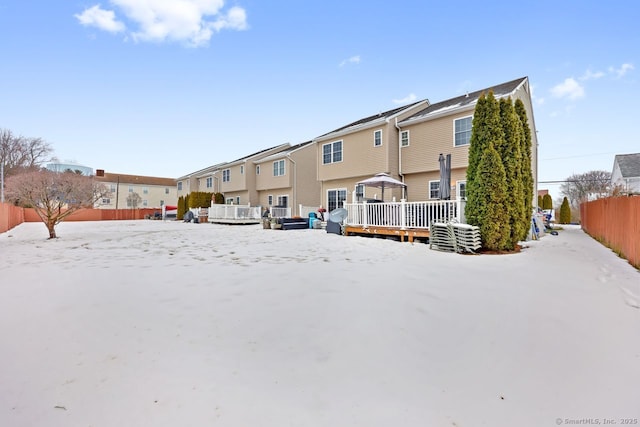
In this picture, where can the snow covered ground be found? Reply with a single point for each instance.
(152, 323)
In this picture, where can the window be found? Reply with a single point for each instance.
(179, 186)
(377, 138)
(359, 192)
(258, 170)
(462, 131)
(404, 138)
(229, 201)
(145, 190)
(335, 198)
(434, 189)
(332, 152)
(278, 168)
(106, 201)
(238, 200)
(461, 189)
(241, 169)
(145, 203)
(131, 189)
(283, 201)
(270, 200)
(166, 190)
(161, 202)
(209, 182)
(226, 175)
(112, 188)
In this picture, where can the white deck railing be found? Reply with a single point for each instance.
(404, 214)
(280, 212)
(234, 212)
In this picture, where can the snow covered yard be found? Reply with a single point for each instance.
(156, 323)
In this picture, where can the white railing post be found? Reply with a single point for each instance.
(365, 214)
(403, 214)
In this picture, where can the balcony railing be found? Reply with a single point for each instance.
(234, 212)
(403, 214)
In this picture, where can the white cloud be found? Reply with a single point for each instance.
(536, 99)
(624, 69)
(190, 21)
(100, 18)
(407, 99)
(570, 88)
(353, 60)
(590, 75)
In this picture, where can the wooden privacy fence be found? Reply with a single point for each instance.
(11, 216)
(615, 221)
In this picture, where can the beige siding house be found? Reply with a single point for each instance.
(288, 178)
(206, 180)
(445, 128)
(358, 151)
(153, 191)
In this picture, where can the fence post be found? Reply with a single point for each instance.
(403, 214)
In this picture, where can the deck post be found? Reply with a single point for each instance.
(403, 214)
(365, 218)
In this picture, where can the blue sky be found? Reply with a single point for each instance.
(167, 87)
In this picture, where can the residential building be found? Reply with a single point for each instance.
(154, 192)
(207, 180)
(626, 173)
(445, 128)
(288, 178)
(358, 151)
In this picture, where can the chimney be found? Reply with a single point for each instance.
(99, 172)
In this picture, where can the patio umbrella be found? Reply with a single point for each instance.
(445, 176)
(383, 180)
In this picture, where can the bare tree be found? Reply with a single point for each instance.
(590, 185)
(54, 195)
(19, 154)
(133, 200)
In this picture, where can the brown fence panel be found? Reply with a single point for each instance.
(10, 216)
(615, 221)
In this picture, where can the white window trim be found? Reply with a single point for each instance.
(280, 199)
(337, 190)
(454, 130)
(429, 189)
(228, 175)
(331, 144)
(270, 199)
(374, 137)
(284, 167)
(462, 181)
(258, 170)
(408, 138)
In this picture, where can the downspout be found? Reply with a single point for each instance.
(400, 155)
(295, 181)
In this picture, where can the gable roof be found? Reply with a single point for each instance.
(277, 148)
(135, 179)
(462, 102)
(283, 153)
(629, 164)
(370, 121)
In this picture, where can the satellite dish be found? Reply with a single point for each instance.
(338, 215)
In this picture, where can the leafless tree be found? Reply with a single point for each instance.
(591, 185)
(19, 154)
(54, 195)
(133, 200)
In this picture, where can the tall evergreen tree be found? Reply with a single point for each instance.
(527, 171)
(547, 202)
(486, 130)
(511, 157)
(492, 210)
(565, 212)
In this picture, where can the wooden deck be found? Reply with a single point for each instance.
(409, 234)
